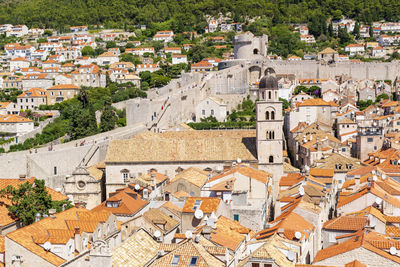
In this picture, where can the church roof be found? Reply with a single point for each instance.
(185, 146)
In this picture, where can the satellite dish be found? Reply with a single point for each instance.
(374, 178)
(297, 235)
(219, 168)
(157, 234)
(373, 172)
(198, 214)
(383, 176)
(206, 218)
(47, 245)
(393, 250)
(188, 234)
(378, 200)
(291, 256)
(307, 168)
(301, 190)
(239, 160)
(137, 187)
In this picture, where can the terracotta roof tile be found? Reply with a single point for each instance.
(127, 200)
(208, 204)
(346, 223)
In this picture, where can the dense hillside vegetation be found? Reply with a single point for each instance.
(181, 15)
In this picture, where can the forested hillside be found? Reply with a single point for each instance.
(181, 15)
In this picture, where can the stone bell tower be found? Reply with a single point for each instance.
(270, 129)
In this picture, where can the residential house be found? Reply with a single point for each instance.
(378, 51)
(61, 92)
(42, 80)
(63, 240)
(15, 50)
(189, 181)
(211, 107)
(172, 50)
(355, 49)
(207, 206)
(19, 63)
(247, 190)
(32, 99)
(154, 220)
(89, 75)
(147, 67)
(201, 66)
(107, 58)
(309, 38)
(165, 36)
(140, 51)
(17, 31)
(15, 124)
(179, 59)
(124, 204)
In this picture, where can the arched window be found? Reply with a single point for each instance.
(269, 95)
(272, 115)
(267, 115)
(263, 95)
(271, 159)
(255, 51)
(273, 135)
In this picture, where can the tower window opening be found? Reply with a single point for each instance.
(267, 115)
(271, 159)
(272, 115)
(255, 51)
(269, 95)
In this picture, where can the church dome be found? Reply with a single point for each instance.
(268, 82)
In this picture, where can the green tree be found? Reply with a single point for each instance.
(371, 31)
(380, 97)
(108, 118)
(88, 51)
(41, 40)
(30, 199)
(47, 33)
(83, 123)
(356, 31)
(111, 44)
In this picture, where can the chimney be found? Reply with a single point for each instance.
(78, 239)
(22, 177)
(357, 182)
(52, 213)
(153, 178)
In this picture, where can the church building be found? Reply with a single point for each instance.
(170, 152)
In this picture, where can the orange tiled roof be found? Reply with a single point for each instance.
(322, 172)
(291, 179)
(129, 203)
(313, 102)
(229, 233)
(64, 87)
(34, 92)
(245, 170)
(13, 118)
(202, 64)
(346, 223)
(208, 204)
